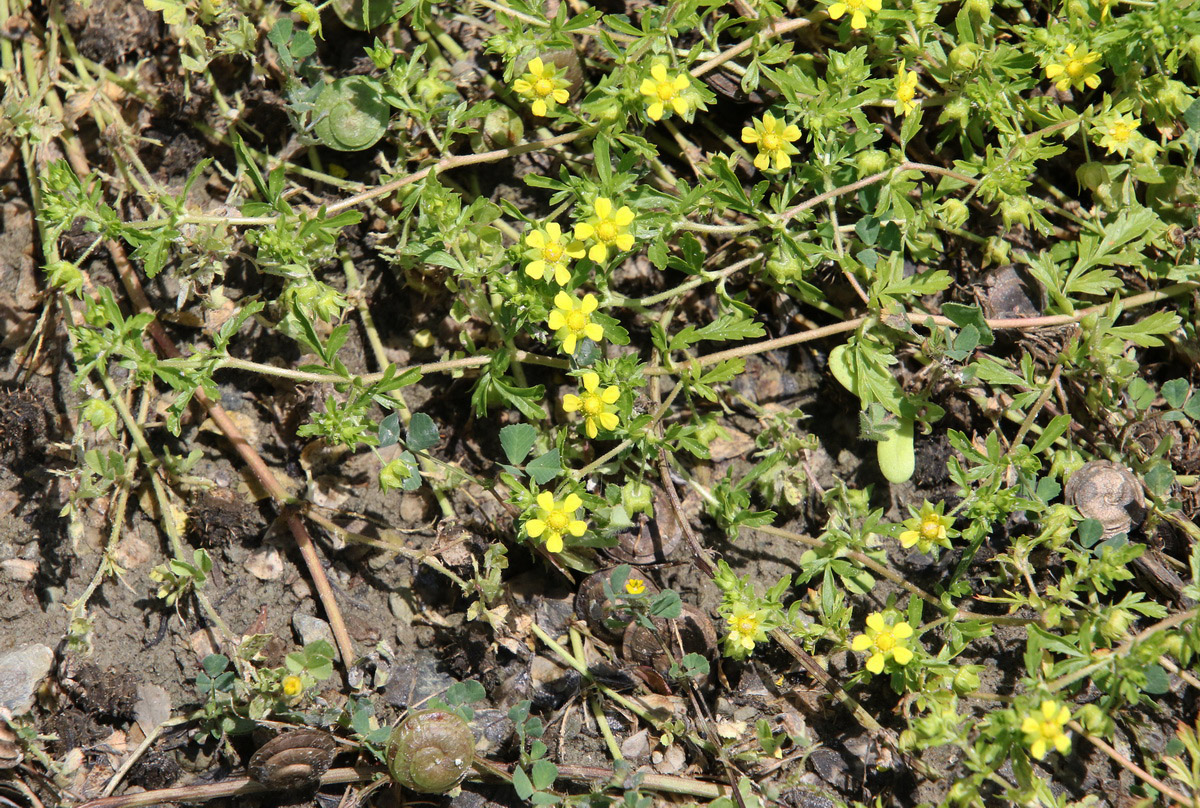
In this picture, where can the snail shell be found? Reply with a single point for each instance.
(1109, 493)
(431, 751)
(293, 760)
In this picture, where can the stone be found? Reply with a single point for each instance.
(21, 669)
(310, 629)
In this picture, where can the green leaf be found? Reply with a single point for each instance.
(666, 604)
(467, 692)
(963, 316)
(516, 440)
(173, 12)
(544, 774)
(522, 784)
(1175, 392)
(422, 433)
(389, 430)
(1057, 426)
(1157, 681)
(214, 664)
(545, 468)
(1143, 332)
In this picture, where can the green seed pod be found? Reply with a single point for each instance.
(431, 751)
(897, 455)
(954, 212)
(350, 114)
(871, 161)
(964, 57)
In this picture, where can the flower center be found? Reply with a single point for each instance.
(1120, 131)
(1050, 730)
(1075, 68)
(558, 521)
(592, 404)
(854, 5)
(771, 142)
(543, 87)
(747, 626)
(553, 252)
(576, 321)
(930, 527)
(606, 230)
(666, 91)
(884, 641)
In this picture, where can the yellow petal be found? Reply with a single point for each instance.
(536, 238)
(1064, 715)
(655, 111)
(535, 269)
(681, 82)
(875, 663)
(571, 402)
(569, 344)
(902, 655)
(762, 160)
(1092, 81)
(875, 5)
(556, 320)
(1053, 70)
(572, 503)
(535, 527)
(553, 230)
(537, 66)
(577, 527)
(1038, 749)
(539, 108)
(902, 631)
(575, 249)
(561, 96)
(749, 135)
(589, 427)
(598, 253)
(680, 105)
(858, 21)
(583, 230)
(659, 71)
(623, 216)
(791, 133)
(837, 10)
(782, 161)
(875, 622)
(545, 501)
(648, 88)
(909, 537)
(594, 332)
(609, 421)
(624, 242)
(564, 301)
(590, 381)
(522, 86)
(603, 207)
(1030, 725)
(554, 543)
(1062, 743)
(588, 304)
(610, 395)
(861, 643)
(561, 276)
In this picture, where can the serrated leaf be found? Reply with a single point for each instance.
(516, 440)
(545, 468)
(1143, 332)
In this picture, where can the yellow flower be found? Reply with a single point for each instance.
(1118, 133)
(887, 642)
(635, 586)
(292, 686)
(906, 90)
(570, 320)
(549, 253)
(1077, 71)
(665, 92)
(608, 227)
(542, 85)
(1046, 730)
(554, 519)
(927, 528)
(774, 142)
(745, 628)
(858, 11)
(596, 406)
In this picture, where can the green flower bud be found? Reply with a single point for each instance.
(871, 161)
(423, 338)
(1092, 175)
(65, 276)
(1016, 210)
(997, 252)
(784, 266)
(964, 57)
(966, 680)
(954, 212)
(957, 110)
(100, 414)
(502, 128)
(637, 497)
(1116, 625)
(979, 8)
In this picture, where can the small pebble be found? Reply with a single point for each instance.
(20, 672)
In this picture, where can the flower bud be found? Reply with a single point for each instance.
(964, 57)
(1092, 175)
(502, 128)
(979, 8)
(65, 276)
(1016, 210)
(966, 680)
(954, 212)
(997, 252)
(871, 161)
(957, 110)
(423, 339)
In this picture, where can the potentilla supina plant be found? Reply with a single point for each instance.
(746, 629)
(571, 320)
(1075, 69)
(608, 226)
(1045, 729)
(1118, 133)
(542, 86)
(549, 253)
(774, 140)
(594, 404)
(858, 10)
(666, 92)
(554, 520)
(886, 642)
(906, 89)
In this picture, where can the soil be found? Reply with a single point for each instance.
(405, 619)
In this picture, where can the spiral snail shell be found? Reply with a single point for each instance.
(293, 760)
(431, 751)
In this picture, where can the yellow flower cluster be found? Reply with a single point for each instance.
(595, 404)
(665, 92)
(906, 90)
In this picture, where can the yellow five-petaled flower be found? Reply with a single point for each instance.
(542, 85)
(774, 141)
(858, 11)
(886, 642)
(929, 527)
(1076, 70)
(549, 252)
(608, 226)
(1045, 729)
(906, 89)
(665, 92)
(595, 404)
(1118, 133)
(292, 686)
(745, 628)
(555, 519)
(571, 320)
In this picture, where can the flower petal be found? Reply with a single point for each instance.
(625, 242)
(561, 96)
(571, 402)
(538, 108)
(553, 231)
(623, 216)
(575, 249)
(858, 21)
(902, 631)
(577, 527)
(659, 71)
(589, 427)
(1038, 749)
(860, 643)
(522, 86)
(648, 87)
(535, 528)
(837, 10)
(749, 135)
(535, 269)
(609, 420)
(762, 160)
(655, 111)
(680, 105)
(554, 543)
(569, 344)
(598, 253)
(610, 394)
(536, 238)
(583, 230)
(545, 501)
(536, 66)
(875, 663)
(1054, 70)
(603, 207)
(561, 276)
(588, 304)
(681, 82)
(782, 161)
(902, 655)
(875, 622)
(594, 332)
(791, 133)
(590, 381)
(564, 301)
(571, 503)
